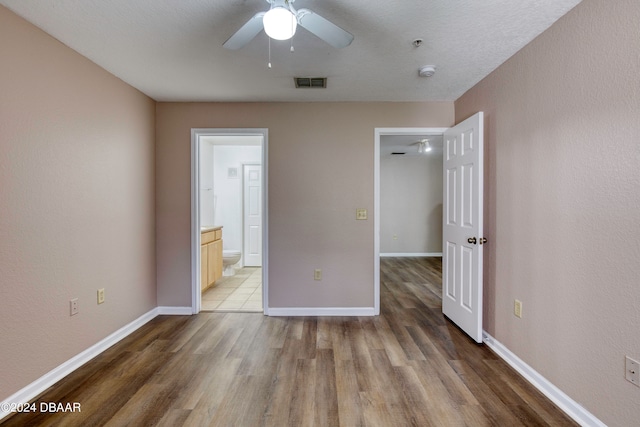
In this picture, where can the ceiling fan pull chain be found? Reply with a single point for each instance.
(269, 63)
(292, 28)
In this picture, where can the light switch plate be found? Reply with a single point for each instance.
(361, 213)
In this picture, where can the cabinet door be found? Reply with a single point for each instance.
(217, 259)
(204, 269)
(211, 264)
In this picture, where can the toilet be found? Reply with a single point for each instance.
(229, 259)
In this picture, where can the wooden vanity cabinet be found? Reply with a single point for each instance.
(210, 257)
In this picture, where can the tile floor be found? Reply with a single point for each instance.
(242, 292)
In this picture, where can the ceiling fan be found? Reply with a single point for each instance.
(280, 23)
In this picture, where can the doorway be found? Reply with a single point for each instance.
(220, 158)
(463, 240)
(387, 141)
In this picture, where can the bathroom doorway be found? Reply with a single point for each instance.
(228, 172)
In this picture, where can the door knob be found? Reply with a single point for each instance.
(472, 240)
(483, 240)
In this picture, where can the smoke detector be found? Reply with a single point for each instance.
(427, 71)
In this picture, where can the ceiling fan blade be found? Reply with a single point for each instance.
(327, 31)
(246, 33)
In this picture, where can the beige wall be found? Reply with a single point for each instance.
(411, 204)
(563, 204)
(320, 171)
(76, 203)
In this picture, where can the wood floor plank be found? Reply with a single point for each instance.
(370, 333)
(348, 395)
(441, 401)
(340, 341)
(474, 416)
(410, 366)
(494, 408)
(390, 342)
(278, 406)
(326, 397)
(174, 418)
(217, 383)
(303, 399)
(531, 399)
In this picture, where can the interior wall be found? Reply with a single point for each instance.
(320, 170)
(411, 204)
(77, 210)
(563, 203)
(207, 194)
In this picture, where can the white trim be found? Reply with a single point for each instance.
(196, 133)
(406, 254)
(195, 221)
(175, 311)
(34, 389)
(322, 311)
(378, 133)
(376, 222)
(553, 393)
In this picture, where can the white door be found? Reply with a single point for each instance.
(252, 215)
(462, 225)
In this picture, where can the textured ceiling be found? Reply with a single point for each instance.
(172, 49)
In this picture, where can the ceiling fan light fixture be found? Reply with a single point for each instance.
(280, 23)
(423, 146)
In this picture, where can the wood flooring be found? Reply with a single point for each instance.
(407, 367)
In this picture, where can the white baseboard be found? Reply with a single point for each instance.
(34, 389)
(321, 311)
(411, 254)
(557, 396)
(175, 311)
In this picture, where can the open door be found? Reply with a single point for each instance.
(462, 225)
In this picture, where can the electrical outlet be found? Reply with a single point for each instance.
(317, 274)
(632, 371)
(361, 213)
(517, 308)
(395, 237)
(100, 296)
(73, 307)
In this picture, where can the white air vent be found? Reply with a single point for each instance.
(310, 82)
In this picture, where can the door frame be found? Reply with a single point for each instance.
(196, 133)
(379, 133)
